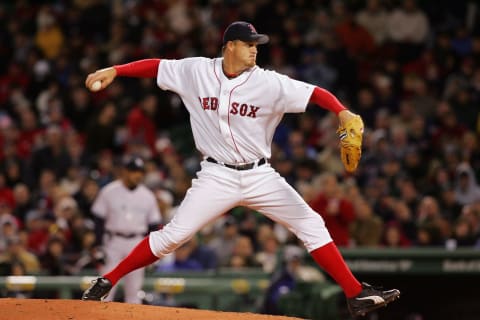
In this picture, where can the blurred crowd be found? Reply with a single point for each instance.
(411, 70)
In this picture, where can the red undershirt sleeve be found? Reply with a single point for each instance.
(146, 68)
(326, 100)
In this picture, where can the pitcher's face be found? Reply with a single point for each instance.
(245, 53)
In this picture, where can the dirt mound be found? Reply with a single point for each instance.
(36, 309)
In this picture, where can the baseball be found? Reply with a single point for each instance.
(97, 85)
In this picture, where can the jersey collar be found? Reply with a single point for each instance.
(222, 77)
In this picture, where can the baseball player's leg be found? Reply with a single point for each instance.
(140, 256)
(214, 192)
(133, 283)
(271, 195)
(114, 253)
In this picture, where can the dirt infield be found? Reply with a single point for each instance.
(43, 309)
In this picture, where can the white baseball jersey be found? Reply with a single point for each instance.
(233, 120)
(126, 211)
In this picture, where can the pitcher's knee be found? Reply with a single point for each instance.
(164, 241)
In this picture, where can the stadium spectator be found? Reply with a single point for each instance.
(53, 156)
(242, 254)
(100, 131)
(408, 28)
(394, 237)
(366, 229)
(16, 251)
(53, 261)
(374, 17)
(141, 128)
(467, 190)
(337, 211)
(224, 242)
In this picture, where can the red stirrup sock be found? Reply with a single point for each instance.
(140, 256)
(329, 258)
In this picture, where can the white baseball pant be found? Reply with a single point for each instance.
(116, 249)
(218, 189)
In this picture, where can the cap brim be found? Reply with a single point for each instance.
(260, 38)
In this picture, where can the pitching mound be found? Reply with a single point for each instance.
(42, 309)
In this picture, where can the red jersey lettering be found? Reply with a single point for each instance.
(243, 109)
(253, 112)
(234, 109)
(205, 104)
(213, 103)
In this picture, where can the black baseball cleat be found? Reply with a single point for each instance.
(369, 299)
(98, 290)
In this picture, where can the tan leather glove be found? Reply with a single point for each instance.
(351, 135)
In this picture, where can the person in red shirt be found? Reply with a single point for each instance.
(140, 123)
(337, 211)
(30, 133)
(6, 193)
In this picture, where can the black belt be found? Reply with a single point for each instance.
(124, 235)
(245, 166)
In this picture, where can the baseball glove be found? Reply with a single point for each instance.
(351, 134)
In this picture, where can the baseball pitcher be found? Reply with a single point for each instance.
(235, 107)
